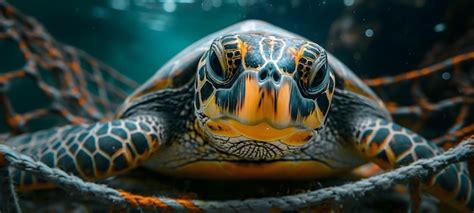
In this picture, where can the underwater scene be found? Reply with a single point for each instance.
(236, 106)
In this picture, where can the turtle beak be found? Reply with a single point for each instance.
(265, 100)
(259, 109)
(252, 100)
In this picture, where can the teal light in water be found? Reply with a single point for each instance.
(439, 27)
(348, 3)
(369, 32)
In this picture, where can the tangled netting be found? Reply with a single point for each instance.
(69, 87)
(436, 101)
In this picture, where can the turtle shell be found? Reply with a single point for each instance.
(181, 69)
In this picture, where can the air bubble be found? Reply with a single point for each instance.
(369, 33)
(446, 75)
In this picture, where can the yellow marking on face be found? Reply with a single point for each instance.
(299, 55)
(211, 110)
(243, 50)
(283, 105)
(296, 170)
(299, 138)
(262, 131)
(313, 121)
(220, 128)
(259, 103)
(293, 52)
(250, 109)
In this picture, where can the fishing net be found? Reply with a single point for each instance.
(435, 101)
(44, 83)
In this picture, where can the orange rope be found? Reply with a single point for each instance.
(456, 134)
(4, 77)
(420, 72)
(189, 205)
(154, 202)
(142, 201)
(463, 131)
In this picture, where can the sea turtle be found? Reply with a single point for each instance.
(252, 101)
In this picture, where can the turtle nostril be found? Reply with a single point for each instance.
(276, 76)
(262, 75)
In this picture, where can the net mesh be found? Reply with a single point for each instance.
(434, 101)
(44, 83)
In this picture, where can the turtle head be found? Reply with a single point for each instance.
(262, 92)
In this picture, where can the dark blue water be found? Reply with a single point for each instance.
(372, 37)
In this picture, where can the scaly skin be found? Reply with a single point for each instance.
(91, 151)
(390, 145)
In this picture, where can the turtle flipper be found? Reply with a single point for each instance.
(390, 145)
(92, 151)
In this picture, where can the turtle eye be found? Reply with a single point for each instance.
(315, 83)
(216, 67)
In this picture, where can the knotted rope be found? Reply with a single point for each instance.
(120, 199)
